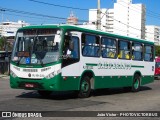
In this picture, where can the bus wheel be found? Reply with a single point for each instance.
(136, 83)
(44, 93)
(85, 87)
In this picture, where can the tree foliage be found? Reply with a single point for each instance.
(157, 50)
(4, 44)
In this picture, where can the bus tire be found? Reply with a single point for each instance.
(85, 87)
(44, 93)
(136, 83)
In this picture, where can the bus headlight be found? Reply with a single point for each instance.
(51, 75)
(13, 74)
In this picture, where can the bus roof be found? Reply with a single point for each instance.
(74, 27)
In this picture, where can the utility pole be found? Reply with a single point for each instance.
(98, 15)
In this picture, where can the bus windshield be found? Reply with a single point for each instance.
(38, 46)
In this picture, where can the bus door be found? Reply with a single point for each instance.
(71, 54)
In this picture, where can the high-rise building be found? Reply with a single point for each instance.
(153, 34)
(125, 19)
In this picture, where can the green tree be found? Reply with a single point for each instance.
(157, 50)
(5, 44)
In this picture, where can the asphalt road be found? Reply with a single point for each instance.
(148, 99)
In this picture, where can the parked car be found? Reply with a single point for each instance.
(157, 68)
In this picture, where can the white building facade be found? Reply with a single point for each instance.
(125, 19)
(153, 34)
(9, 29)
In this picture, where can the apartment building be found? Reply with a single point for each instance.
(9, 29)
(153, 34)
(125, 19)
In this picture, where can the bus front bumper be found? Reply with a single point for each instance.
(35, 84)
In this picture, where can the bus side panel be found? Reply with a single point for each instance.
(69, 83)
(112, 82)
(70, 77)
(147, 79)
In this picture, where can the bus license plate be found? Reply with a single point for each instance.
(28, 85)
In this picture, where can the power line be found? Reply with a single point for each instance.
(35, 14)
(39, 19)
(31, 17)
(51, 17)
(107, 10)
(151, 13)
(129, 25)
(56, 5)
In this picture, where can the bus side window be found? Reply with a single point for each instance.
(108, 47)
(70, 50)
(148, 53)
(66, 45)
(90, 45)
(123, 50)
(75, 51)
(137, 51)
(74, 54)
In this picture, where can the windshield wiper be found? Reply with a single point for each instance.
(41, 62)
(20, 59)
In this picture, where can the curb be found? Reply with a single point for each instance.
(3, 76)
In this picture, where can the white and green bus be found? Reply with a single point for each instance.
(51, 58)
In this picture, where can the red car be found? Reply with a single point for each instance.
(157, 68)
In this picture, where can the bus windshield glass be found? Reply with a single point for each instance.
(36, 46)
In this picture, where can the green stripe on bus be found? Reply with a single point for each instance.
(91, 64)
(135, 66)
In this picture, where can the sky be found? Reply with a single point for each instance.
(38, 13)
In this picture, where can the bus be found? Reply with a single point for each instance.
(50, 58)
(157, 68)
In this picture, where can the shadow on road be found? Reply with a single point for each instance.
(101, 92)
(54, 95)
(72, 95)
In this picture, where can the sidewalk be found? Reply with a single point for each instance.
(4, 76)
